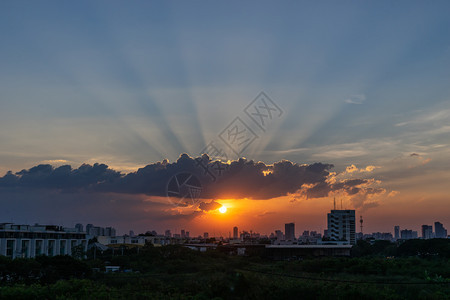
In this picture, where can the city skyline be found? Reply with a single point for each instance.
(106, 110)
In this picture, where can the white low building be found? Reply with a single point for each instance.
(28, 241)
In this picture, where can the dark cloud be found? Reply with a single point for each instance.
(63, 178)
(240, 179)
(207, 206)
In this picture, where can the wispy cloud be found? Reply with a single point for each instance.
(356, 99)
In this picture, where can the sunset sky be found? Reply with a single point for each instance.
(359, 92)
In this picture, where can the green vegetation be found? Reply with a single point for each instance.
(413, 270)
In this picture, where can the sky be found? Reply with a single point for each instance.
(346, 100)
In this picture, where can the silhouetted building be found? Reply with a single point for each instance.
(407, 234)
(235, 232)
(205, 235)
(88, 229)
(386, 236)
(168, 233)
(279, 235)
(440, 231)
(309, 237)
(289, 230)
(110, 231)
(79, 227)
(341, 226)
(183, 234)
(427, 232)
(397, 232)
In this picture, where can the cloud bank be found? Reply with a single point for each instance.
(236, 179)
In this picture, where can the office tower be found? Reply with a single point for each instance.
(235, 232)
(427, 232)
(440, 231)
(205, 235)
(168, 233)
(397, 232)
(341, 226)
(183, 233)
(289, 230)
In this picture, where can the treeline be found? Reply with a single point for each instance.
(42, 269)
(176, 272)
(408, 248)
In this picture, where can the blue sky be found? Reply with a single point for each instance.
(127, 84)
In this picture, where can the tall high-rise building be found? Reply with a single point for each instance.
(205, 235)
(427, 232)
(183, 234)
(341, 226)
(397, 232)
(235, 232)
(289, 231)
(168, 233)
(440, 231)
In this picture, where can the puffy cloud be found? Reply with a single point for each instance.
(214, 179)
(393, 193)
(236, 179)
(63, 177)
(353, 169)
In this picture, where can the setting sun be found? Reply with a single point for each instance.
(223, 209)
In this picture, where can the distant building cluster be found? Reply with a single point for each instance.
(94, 231)
(427, 232)
(26, 241)
(340, 231)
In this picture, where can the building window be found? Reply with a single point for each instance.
(25, 248)
(10, 248)
(51, 248)
(38, 248)
(62, 247)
